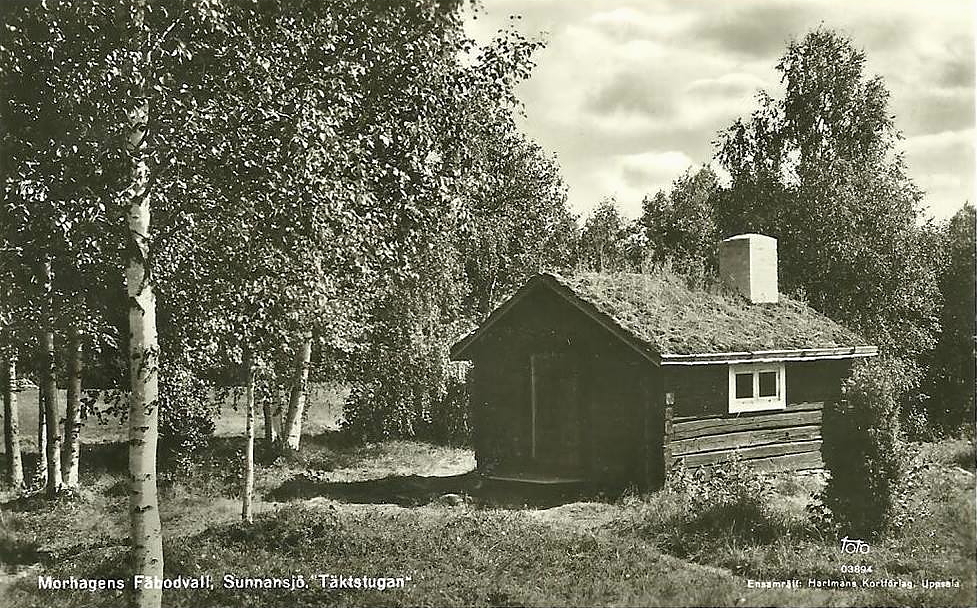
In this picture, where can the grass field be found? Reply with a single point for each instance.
(373, 510)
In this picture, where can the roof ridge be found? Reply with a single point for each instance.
(616, 295)
(667, 315)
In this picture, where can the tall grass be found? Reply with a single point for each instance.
(729, 519)
(702, 511)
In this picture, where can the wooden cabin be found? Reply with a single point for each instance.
(615, 378)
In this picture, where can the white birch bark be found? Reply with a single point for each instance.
(49, 387)
(144, 520)
(296, 402)
(72, 414)
(248, 492)
(40, 471)
(11, 424)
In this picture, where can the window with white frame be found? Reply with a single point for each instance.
(756, 386)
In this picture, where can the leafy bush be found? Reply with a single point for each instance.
(916, 424)
(950, 371)
(701, 508)
(417, 397)
(186, 419)
(965, 457)
(404, 384)
(863, 452)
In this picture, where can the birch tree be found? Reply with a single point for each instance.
(55, 175)
(505, 219)
(11, 421)
(73, 405)
(340, 150)
(94, 88)
(145, 526)
(248, 491)
(820, 169)
(11, 316)
(48, 382)
(300, 386)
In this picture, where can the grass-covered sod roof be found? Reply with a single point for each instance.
(665, 312)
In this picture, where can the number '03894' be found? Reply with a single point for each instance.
(856, 569)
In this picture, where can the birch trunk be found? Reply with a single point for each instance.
(72, 414)
(11, 424)
(296, 401)
(249, 443)
(271, 412)
(48, 386)
(53, 447)
(144, 521)
(40, 472)
(49, 383)
(278, 414)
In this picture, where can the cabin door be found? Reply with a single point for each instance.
(556, 444)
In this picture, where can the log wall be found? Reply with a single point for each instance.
(768, 441)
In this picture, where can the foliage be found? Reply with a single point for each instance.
(56, 180)
(680, 226)
(298, 187)
(313, 182)
(403, 384)
(603, 239)
(186, 422)
(519, 223)
(819, 169)
(863, 451)
(936, 534)
(507, 220)
(949, 382)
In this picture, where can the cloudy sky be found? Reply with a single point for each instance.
(630, 93)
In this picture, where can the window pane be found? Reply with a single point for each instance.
(744, 386)
(768, 384)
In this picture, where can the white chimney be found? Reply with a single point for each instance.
(748, 264)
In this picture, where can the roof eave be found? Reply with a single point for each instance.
(459, 350)
(771, 356)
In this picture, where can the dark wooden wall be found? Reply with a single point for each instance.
(617, 388)
(702, 432)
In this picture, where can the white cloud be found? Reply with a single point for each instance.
(656, 164)
(730, 83)
(939, 142)
(622, 16)
(942, 164)
(629, 177)
(632, 88)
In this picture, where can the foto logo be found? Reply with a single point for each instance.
(852, 546)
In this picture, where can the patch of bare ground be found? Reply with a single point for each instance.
(402, 458)
(577, 516)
